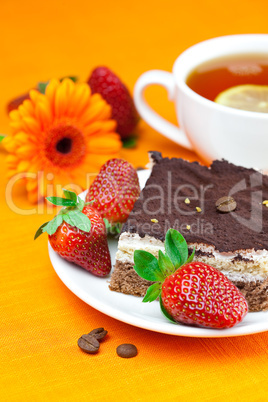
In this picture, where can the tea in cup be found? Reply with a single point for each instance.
(206, 81)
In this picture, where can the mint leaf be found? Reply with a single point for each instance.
(78, 219)
(2, 137)
(146, 266)
(61, 201)
(107, 223)
(165, 264)
(190, 259)
(71, 214)
(53, 225)
(80, 204)
(113, 229)
(176, 247)
(165, 313)
(70, 195)
(153, 292)
(40, 230)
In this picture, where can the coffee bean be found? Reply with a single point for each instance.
(225, 204)
(127, 350)
(88, 343)
(98, 333)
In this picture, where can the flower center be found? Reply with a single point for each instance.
(65, 145)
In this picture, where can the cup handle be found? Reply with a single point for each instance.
(160, 124)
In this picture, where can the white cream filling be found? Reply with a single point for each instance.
(255, 269)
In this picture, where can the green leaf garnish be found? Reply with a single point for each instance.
(71, 214)
(153, 292)
(113, 229)
(65, 202)
(190, 259)
(165, 264)
(53, 225)
(70, 195)
(165, 313)
(176, 247)
(40, 230)
(156, 270)
(2, 137)
(80, 204)
(146, 266)
(76, 218)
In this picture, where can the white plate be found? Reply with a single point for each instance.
(130, 309)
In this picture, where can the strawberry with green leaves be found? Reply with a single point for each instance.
(114, 190)
(78, 234)
(189, 292)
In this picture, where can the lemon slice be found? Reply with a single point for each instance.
(246, 97)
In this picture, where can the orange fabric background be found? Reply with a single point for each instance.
(41, 319)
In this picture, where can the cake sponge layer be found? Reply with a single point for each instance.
(126, 280)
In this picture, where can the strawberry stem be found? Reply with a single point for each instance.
(71, 214)
(150, 268)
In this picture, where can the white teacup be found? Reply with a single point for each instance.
(212, 130)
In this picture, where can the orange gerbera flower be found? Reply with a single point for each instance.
(60, 136)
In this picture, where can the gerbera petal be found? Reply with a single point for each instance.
(17, 125)
(34, 167)
(9, 144)
(24, 110)
(104, 144)
(28, 106)
(32, 124)
(34, 95)
(26, 151)
(33, 196)
(51, 91)
(31, 185)
(69, 87)
(61, 99)
(44, 114)
(100, 127)
(23, 166)
(11, 172)
(12, 161)
(94, 112)
(14, 115)
(80, 100)
(21, 138)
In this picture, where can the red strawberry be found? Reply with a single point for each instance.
(106, 83)
(78, 234)
(190, 293)
(199, 294)
(114, 190)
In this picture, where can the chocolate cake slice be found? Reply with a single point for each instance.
(184, 196)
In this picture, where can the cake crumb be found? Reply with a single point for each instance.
(198, 209)
(187, 201)
(188, 227)
(154, 220)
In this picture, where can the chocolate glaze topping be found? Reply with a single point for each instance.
(174, 180)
